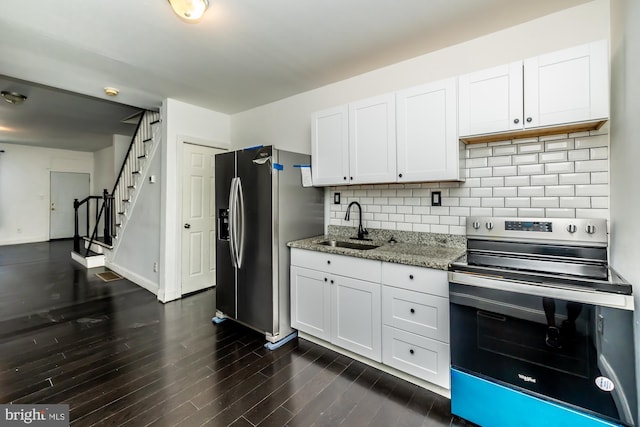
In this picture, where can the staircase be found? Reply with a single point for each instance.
(112, 208)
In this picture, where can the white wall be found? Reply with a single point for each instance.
(181, 123)
(25, 188)
(625, 148)
(286, 123)
(103, 170)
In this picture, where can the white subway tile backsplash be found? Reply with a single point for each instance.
(439, 210)
(560, 213)
(525, 159)
(499, 161)
(558, 176)
(592, 190)
(592, 141)
(482, 192)
(530, 148)
(460, 211)
(480, 172)
(565, 144)
(517, 202)
(505, 212)
(553, 156)
(506, 150)
(575, 202)
(574, 178)
(576, 155)
(592, 213)
(544, 180)
(492, 202)
(531, 191)
(479, 151)
(480, 162)
(599, 177)
(600, 202)
(592, 166)
(505, 191)
(545, 202)
(559, 190)
(562, 167)
(531, 212)
(517, 181)
(537, 169)
(505, 171)
(599, 153)
(481, 212)
(496, 181)
(443, 229)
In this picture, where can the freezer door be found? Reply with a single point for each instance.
(255, 276)
(225, 271)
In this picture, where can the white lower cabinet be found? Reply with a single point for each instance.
(344, 310)
(415, 334)
(390, 313)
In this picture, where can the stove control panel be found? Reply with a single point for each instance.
(544, 227)
(590, 232)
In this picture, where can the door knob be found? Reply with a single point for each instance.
(187, 226)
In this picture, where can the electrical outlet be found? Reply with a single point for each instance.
(155, 267)
(19, 230)
(436, 198)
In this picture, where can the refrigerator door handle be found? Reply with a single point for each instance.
(240, 242)
(232, 222)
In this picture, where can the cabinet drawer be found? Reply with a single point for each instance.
(422, 314)
(363, 269)
(413, 278)
(419, 356)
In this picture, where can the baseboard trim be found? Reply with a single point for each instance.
(134, 277)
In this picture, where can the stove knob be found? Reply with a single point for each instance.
(591, 228)
(571, 228)
(475, 225)
(489, 225)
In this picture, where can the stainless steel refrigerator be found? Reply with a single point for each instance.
(261, 205)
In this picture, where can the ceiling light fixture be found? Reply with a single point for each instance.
(189, 10)
(13, 97)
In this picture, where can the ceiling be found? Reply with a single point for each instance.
(242, 54)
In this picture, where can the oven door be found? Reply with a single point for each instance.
(555, 343)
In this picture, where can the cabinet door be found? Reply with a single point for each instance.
(491, 100)
(372, 140)
(356, 316)
(567, 86)
(310, 302)
(427, 132)
(330, 146)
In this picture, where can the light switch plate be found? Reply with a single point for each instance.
(336, 198)
(436, 198)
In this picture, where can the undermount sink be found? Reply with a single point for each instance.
(349, 245)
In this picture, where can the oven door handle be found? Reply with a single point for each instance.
(606, 299)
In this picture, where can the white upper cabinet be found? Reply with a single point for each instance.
(567, 86)
(491, 100)
(427, 131)
(372, 140)
(330, 146)
(558, 88)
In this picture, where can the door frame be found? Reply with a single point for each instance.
(178, 202)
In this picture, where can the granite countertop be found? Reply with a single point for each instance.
(429, 250)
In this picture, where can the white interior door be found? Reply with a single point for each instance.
(198, 218)
(65, 187)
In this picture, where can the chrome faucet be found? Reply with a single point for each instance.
(361, 230)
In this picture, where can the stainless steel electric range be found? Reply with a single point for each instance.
(541, 326)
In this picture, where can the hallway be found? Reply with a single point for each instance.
(119, 357)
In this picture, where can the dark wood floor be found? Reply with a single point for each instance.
(119, 357)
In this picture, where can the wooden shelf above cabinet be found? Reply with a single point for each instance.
(530, 133)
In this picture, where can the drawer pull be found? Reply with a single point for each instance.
(328, 261)
(412, 310)
(411, 351)
(332, 281)
(325, 279)
(411, 276)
